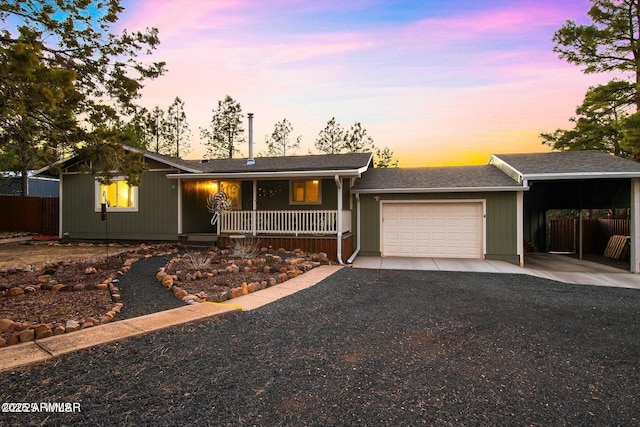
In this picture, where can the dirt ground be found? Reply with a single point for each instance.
(30, 252)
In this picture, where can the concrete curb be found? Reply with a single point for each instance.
(18, 355)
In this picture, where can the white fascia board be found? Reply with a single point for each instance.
(579, 175)
(159, 159)
(510, 170)
(440, 190)
(172, 164)
(258, 175)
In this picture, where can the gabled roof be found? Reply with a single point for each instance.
(182, 165)
(351, 164)
(185, 165)
(565, 165)
(435, 179)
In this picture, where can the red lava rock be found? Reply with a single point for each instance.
(86, 324)
(167, 281)
(20, 326)
(42, 331)
(58, 330)
(7, 325)
(3, 342)
(44, 279)
(181, 294)
(27, 335)
(56, 288)
(101, 286)
(15, 291)
(13, 339)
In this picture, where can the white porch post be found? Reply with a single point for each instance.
(634, 225)
(254, 208)
(179, 206)
(339, 220)
(520, 226)
(60, 207)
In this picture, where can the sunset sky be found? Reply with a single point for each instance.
(438, 82)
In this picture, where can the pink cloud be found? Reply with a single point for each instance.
(181, 18)
(516, 19)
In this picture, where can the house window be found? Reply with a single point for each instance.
(118, 196)
(308, 191)
(233, 190)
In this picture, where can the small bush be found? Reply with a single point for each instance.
(244, 248)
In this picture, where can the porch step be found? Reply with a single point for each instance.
(198, 239)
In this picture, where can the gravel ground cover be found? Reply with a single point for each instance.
(366, 347)
(140, 291)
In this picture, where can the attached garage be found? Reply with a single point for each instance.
(438, 229)
(452, 212)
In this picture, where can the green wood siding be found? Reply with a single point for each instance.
(501, 221)
(156, 218)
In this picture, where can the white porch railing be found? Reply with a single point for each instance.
(284, 222)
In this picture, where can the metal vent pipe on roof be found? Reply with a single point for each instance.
(250, 160)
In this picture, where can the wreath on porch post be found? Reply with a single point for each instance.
(218, 204)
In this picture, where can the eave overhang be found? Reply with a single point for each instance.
(582, 175)
(439, 190)
(270, 175)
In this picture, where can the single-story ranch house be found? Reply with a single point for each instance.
(342, 205)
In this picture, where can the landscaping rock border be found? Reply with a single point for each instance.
(297, 262)
(25, 332)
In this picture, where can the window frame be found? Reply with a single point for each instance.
(305, 202)
(98, 197)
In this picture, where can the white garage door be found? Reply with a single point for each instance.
(437, 230)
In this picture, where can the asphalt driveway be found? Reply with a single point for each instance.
(366, 347)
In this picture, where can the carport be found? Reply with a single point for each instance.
(574, 180)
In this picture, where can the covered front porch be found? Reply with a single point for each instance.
(312, 214)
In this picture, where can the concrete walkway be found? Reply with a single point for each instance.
(547, 266)
(47, 348)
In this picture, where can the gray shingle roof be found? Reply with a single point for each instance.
(324, 162)
(454, 178)
(569, 162)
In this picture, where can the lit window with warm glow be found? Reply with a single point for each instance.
(234, 191)
(118, 196)
(306, 192)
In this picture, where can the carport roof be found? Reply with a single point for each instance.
(435, 179)
(566, 165)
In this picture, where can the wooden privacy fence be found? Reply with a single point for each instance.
(29, 214)
(563, 234)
